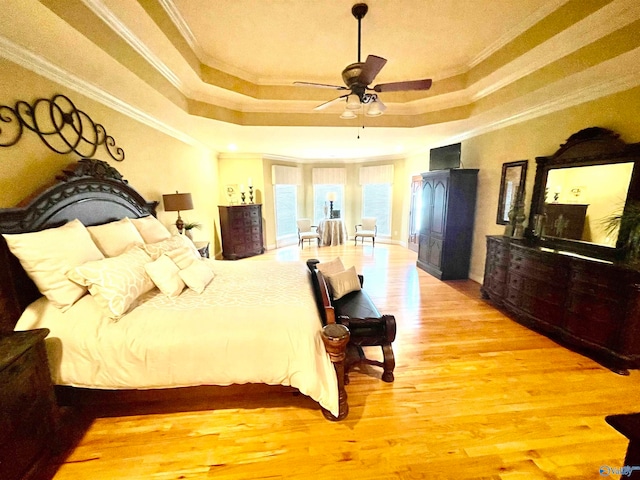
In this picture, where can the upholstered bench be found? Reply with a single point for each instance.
(367, 326)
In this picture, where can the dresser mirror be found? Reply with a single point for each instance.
(591, 177)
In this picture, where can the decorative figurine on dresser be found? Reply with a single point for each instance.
(241, 229)
(577, 286)
(27, 404)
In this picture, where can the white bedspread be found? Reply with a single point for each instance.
(256, 322)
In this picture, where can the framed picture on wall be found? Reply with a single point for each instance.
(512, 184)
(232, 194)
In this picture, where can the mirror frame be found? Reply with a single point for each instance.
(502, 198)
(591, 146)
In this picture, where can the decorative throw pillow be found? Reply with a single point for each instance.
(344, 282)
(182, 257)
(329, 268)
(115, 238)
(151, 229)
(172, 243)
(165, 274)
(116, 282)
(197, 276)
(47, 255)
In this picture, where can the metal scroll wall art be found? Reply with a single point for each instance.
(59, 124)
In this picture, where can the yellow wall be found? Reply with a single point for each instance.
(154, 163)
(537, 137)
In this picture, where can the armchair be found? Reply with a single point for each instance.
(306, 231)
(368, 229)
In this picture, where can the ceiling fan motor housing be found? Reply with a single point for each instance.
(351, 73)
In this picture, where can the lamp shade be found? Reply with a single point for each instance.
(353, 102)
(331, 196)
(176, 202)
(348, 114)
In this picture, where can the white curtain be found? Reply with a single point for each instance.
(283, 175)
(377, 174)
(329, 176)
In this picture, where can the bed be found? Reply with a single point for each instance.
(234, 329)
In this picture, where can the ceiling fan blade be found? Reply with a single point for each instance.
(320, 85)
(370, 69)
(324, 105)
(404, 86)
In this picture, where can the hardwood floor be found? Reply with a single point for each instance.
(476, 396)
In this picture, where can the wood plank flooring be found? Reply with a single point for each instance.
(476, 396)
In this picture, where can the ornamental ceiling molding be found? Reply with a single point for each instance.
(611, 17)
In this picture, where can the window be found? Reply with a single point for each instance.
(286, 202)
(320, 200)
(376, 202)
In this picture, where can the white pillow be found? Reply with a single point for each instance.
(182, 257)
(329, 268)
(151, 229)
(172, 243)
(164, 273)
(47, 255)
(344, 282)
(197, 276)
(115, 238)
(116, 282)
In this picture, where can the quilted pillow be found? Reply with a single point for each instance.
(151, 229)
(197, 276)
(164, 273)
(344, 282)
(116, 282)
(115, 238)
(47, 255)
(329, 268)
(172, 243)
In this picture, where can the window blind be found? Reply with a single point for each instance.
(376, 174)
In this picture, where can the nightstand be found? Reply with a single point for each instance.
(27, 404)
(203, 248)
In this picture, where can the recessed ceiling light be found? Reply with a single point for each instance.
(232, 147)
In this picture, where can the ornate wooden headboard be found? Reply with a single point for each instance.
(91, 191)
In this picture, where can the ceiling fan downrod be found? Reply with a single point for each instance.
(359, 10)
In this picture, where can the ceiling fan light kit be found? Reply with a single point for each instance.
(358, 76)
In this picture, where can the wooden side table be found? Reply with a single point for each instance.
(629, 426)
(27, 404)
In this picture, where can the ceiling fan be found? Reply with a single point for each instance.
(358, 76)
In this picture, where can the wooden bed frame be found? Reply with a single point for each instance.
(96, 193)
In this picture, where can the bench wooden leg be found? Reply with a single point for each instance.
(389, 363)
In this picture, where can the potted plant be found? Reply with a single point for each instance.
(188, 226)
(626, 222)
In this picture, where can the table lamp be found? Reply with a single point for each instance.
(176, 202)
(331, 197)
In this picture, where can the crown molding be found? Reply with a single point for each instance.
(182, 26)
(573, 98)
(112, 21)
(35, 63)
(513, 33)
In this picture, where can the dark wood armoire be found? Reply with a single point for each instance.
(241, 229)
(446, 227)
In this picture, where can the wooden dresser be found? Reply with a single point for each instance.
(27, 404)
(446, 226)
(590, 305)
(241, 228)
